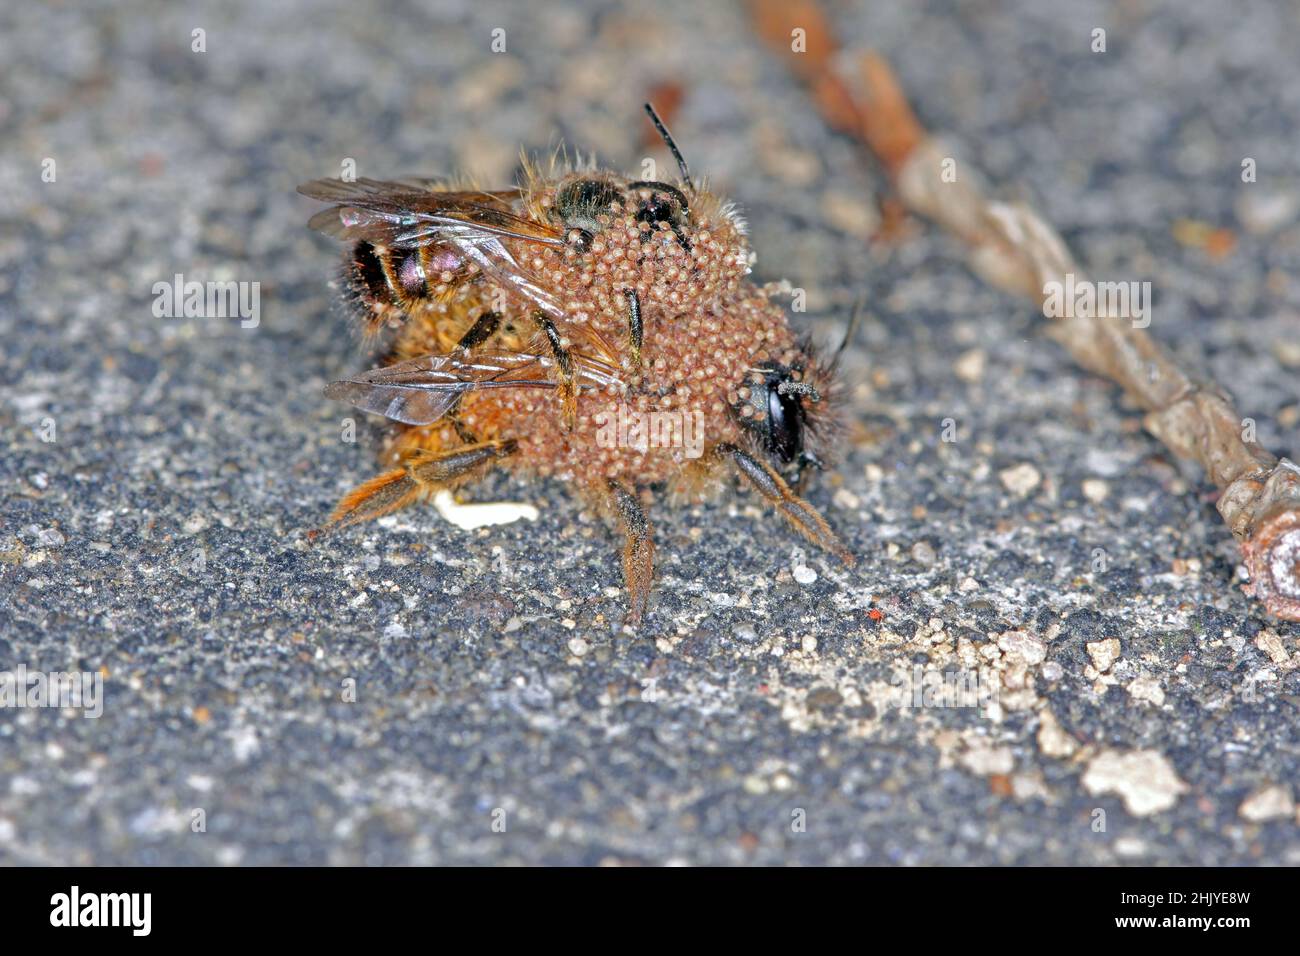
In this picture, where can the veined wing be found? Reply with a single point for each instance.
(399, 215)
(420, 391)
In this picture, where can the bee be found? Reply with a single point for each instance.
(519, 323)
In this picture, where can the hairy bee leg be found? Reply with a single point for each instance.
(421, 475)
(564, 366)
(799, 513)
(638, 551)
(636, 331)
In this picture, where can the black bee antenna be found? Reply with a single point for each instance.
(672, 147)
(854, 321)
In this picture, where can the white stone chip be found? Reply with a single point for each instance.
(481, 514)
(1144, 780)
(1104, 653)
(1052, 738)
(1270, 803)
(1146, 688)
(1020, 479)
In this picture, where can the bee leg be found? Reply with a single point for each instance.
(421, 475)
(564, 367)
(794, 509)
(638, 551)
(636, 330)
(484, 327)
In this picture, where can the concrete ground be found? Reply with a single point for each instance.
(409, 692)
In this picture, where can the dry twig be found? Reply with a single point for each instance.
(1012, 247)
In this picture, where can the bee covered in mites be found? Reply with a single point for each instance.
(582, 326)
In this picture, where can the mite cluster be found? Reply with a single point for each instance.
(525, 321)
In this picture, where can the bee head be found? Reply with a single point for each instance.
(656, 203)
(581, 204)
(779, 406)
(585, 207)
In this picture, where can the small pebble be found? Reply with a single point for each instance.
(1144, 780)
(1146, 688)
(1095, 490)
(923, 554)
(1270, 803)
(1104, 653)
(970, 366)
(1020, 479)
(1262, 211)
(804, 574)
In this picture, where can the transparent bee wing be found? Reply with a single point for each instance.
(397, 215)
(420, 391)
(403, 214)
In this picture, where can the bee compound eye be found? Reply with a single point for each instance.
(785, 417)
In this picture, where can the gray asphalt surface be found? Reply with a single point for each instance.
(160, 537)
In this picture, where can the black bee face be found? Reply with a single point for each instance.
(773, 408)
(661, 203)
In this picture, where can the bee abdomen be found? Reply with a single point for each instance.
(387, 283)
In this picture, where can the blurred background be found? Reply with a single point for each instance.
(158, 538)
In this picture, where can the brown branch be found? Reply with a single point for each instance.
(1012, 247)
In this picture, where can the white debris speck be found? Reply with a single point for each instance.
(244, 742)
(985, 759)
(1052, 738)
(804, 574)
(1104, 653)
(230, 855)
(1146, 688)
(578, 646)
(1270, 803)
(158, 820)
(843, 498)
(481, 514)
(1143, 779)
(1023, 645)
(970, 366)
(1271, 644)
(1020, 479)
(1130, 847)
(194, 524)
(809, 644)
(1095, 490)
(1262, 211)
(50, 538)
(395, 629)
